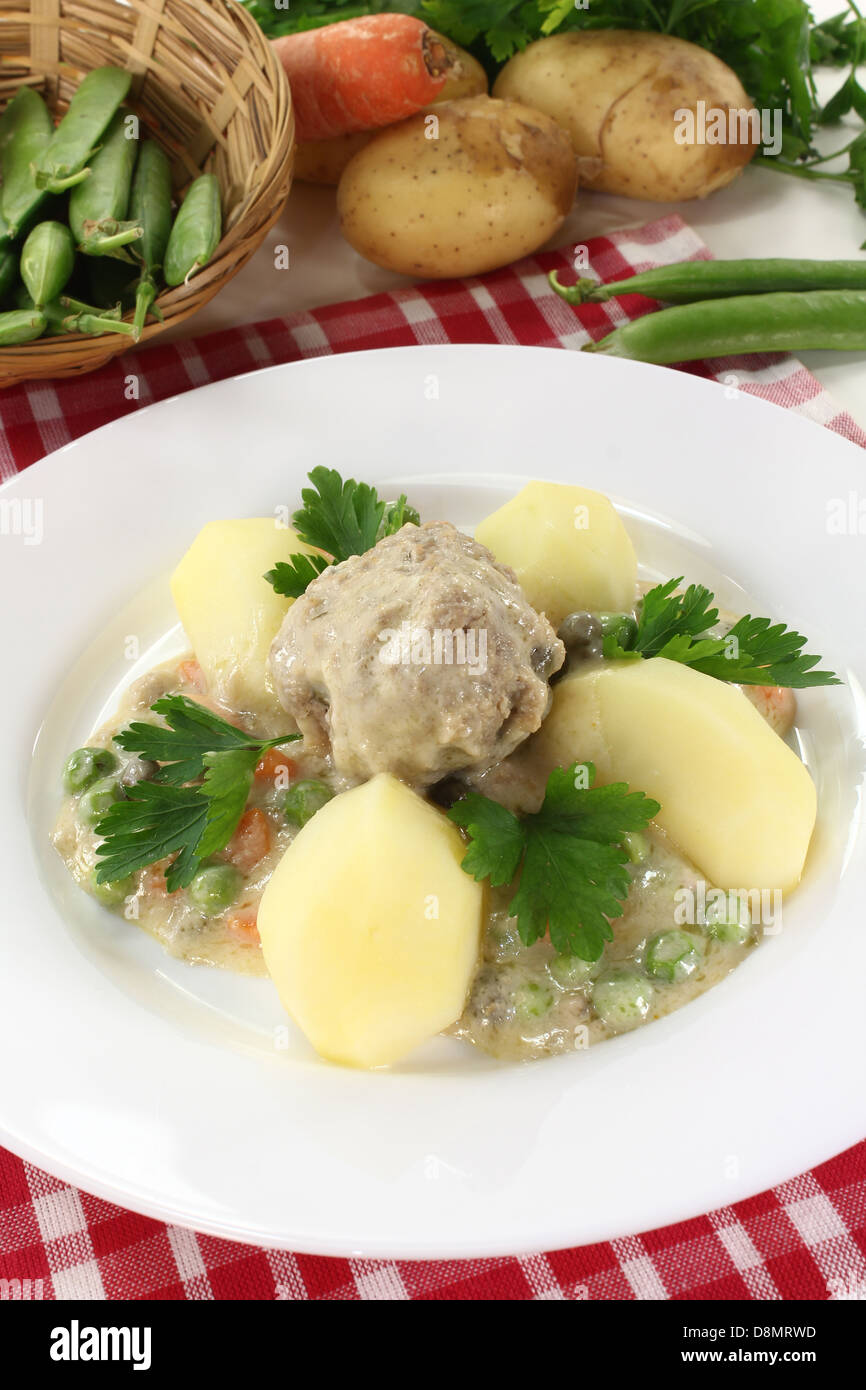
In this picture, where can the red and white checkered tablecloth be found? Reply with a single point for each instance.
(806, 1239)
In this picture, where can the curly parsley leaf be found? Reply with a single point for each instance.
(192, 732)
(192, 806)
(754, 652)
(573, 870)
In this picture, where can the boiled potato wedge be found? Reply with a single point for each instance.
(618, 94)
(733, 796)
(323, 161)
(489, 182)
(568, 548)
(229, 611)
(369, 926)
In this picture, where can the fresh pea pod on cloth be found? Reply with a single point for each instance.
(26, 129)
(196, 231)
(688, 281)
(97, 206)
(62, 164)
(749, 323)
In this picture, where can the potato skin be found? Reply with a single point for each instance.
(616, 93)
(323, 161)
(494, 186)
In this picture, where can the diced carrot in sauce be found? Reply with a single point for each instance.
(191, 674)
(273, 763)
(242, 926)
(250, 842)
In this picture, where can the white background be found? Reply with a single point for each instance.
(762, 214)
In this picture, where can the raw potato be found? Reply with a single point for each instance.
(568, 548)
(323, 161)
(493, 185)
(734, 797)
(369, 926)
(230, 612)
(616, 93)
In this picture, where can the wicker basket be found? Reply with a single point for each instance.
(207, 86)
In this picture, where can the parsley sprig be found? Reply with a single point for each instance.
(755, 651)
(573, 869)
(341, 517)
(192, 806)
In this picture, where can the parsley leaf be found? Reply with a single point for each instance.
(192, 732)
(192, 806)
(343, 518)
(153, 821)
(754, 652)
(291, 578)
(573, 870)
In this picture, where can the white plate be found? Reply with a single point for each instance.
(163, 1087)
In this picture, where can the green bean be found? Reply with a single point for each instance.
(196, 231)
(688, 281)
(86, 766)
(150, 205)
(215, 888)
(97, 207)
(22, 143)
(47, 258)
(21, 326)
(753, 323)
(62, 164)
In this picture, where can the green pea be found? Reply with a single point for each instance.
(86, 766)
(728, 920)
(111, 894)
(303, 799)
(570, 972)
(620, 626)
(215, 888)
(98, 799)
(532, 999)
(673, 956)
(622, 998)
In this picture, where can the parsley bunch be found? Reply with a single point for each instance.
(192, 806)
(573, 869)
(754, 651)
(341, 517)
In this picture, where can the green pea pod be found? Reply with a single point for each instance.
(196, 232)
(8, 270)
(150, 205)
(23, 141)
(63, 162)
(97, 207)
(21, 326)
(47, 258)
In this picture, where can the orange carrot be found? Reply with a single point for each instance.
(191, 673)
(273, 763)
(242, 926)
(250, 842)
(360, 74)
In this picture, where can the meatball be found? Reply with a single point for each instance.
(419, 658)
